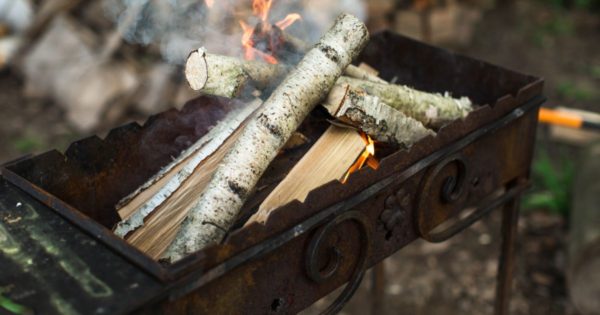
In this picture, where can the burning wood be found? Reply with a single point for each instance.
(432, 109)
(194, 201)
(368, 113)
(328, 159)
(259, 143)
(226, 76)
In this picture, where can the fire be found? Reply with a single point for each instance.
(368, 157)
(261, 9)
(250, 53)
(288, 20)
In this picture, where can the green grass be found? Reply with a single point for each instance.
(552, 186)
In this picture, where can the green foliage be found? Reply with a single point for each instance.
(568, 90)
(552, 186)
(27, 144)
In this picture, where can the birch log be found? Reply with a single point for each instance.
(368, 113)
(219, 204)
(134, 208)
(227, 76)
(432, 109)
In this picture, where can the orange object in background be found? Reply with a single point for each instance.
(555, 117)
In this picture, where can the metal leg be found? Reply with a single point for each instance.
(510, 217)
(377, 288)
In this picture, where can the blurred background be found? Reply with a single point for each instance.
(71, 68)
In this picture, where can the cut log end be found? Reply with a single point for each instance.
(196, 70)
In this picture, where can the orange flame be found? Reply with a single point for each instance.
(250, 53)
(209, 3)
(288, 20)
(367, 156)
(261, 9)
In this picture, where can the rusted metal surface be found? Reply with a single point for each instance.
(306, 250)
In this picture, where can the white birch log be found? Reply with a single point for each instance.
(377, 119)
(432, 109)
(227, 76)
(218, 206)
(142, 202)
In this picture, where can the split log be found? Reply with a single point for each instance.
(432, 109)
(158, 190)
(218, 206)
(583, 271)
(369, 114)
(328, 159)
(159, 228)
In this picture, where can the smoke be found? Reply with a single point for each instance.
(180, 26)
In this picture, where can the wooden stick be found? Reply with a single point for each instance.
(218, 206)
(328, 159)
(141, 203)
(432, 109)
(377, 119)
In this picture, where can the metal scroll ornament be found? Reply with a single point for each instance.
(442, 194)
(321, 275)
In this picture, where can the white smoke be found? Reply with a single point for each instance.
(179, 26)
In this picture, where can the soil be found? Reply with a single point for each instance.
(457, 276)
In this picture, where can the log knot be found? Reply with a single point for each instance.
(330, 53)
(237, 189)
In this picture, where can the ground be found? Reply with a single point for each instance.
(457, 276)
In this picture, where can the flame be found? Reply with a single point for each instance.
(288, 20)
(261, 9)
(367, 156)
(209, 3)
(250, 53)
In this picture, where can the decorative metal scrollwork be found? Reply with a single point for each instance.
(317, 242)
(394, 212)
(443, 189)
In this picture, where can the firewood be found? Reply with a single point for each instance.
(159, 228)
(352, 71)
(162, 189)
(432, 109)
(217, 208)
(227, 76)
(368, 113)
(328, 159)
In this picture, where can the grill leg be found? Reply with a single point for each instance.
(510, 217)
(377, 288)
